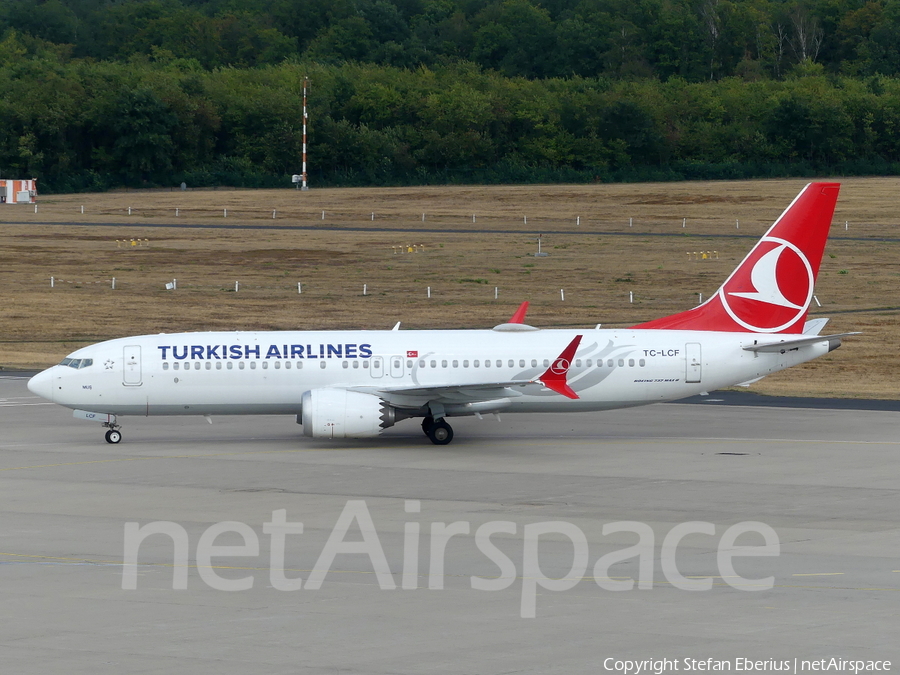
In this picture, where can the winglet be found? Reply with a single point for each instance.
(555, 376)
(519, 316)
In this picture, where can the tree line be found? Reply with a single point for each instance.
(696, 40)
(94, 94)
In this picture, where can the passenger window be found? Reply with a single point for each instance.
(322, 364)
(621, 362)
(546, 363)
(165, 365)
(265, 365)
(578, 363)
(218, 365)
(278, 365)
(444, 363)
(512, 364)
(487, 363)
(365, 364)
(589, 363)
(197, 365)
(356, 365)
(609, 363)
(434, 364)
(287, 365)
(499, 363)
(299, 365)
(631, 363)
(421, 363)
(230, 366)
(345, 365)
(533, 363)
(455, 363)
(209, 365)
(175, 366)
(642, 363)
(521, 363)
(466, 363)
(409, 363)
(241, 365)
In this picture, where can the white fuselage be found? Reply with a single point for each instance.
(239, 373)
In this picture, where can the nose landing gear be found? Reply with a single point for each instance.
(113, 435)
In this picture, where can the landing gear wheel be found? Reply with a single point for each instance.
(440, 433)
(427, 423)
(113, 436)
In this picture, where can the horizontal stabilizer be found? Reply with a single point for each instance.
(785, 345)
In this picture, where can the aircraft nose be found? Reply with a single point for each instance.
(42, 385)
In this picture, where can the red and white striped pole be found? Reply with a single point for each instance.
(303, 184)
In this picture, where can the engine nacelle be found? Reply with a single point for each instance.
(338, 413)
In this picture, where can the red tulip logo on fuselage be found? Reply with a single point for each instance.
(777, 291)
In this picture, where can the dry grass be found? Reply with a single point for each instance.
(596, 267)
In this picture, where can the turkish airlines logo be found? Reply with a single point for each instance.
(559, 367)
(776, 292)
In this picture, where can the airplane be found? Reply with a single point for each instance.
(355, 384)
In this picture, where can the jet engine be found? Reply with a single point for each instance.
(338, 413)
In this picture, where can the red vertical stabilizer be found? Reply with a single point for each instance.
(771, 290)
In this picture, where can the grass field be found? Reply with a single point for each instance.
(595, 257)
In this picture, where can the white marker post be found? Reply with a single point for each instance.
(176, 213)
(578, 220)
(82, 210)
(364, 289)
(52, 282)
(237, 286)
(631, 297)
(429, 291)
(562, 295)
(273, 214)
(818, 304)
(299, 288)
(323, 215)
(113, 283)
(224, 213)
(737, 224)
(630, 222)
(846, 225)
(129, 210)
(684, 222)
(496, 292)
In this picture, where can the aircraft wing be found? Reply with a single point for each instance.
(554, 378)
(786, 345)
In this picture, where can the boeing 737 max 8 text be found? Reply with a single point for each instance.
(343, 384)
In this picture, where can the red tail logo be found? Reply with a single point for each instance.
(771, 290)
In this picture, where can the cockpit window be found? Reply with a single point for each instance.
(77, 363)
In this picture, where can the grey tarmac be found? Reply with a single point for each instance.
(826, 480)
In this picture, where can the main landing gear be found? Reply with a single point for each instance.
(113, 435)
(438, 431)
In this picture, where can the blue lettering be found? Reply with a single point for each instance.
(365, 351)
(182, 356)
(273, 352)
(350, 351)
(235, 351)
(164, 349)
(196, 351)
(309, 353)
(335, 350)
(251, 350)
(296, 351)
(321, 351)
(212, 351)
